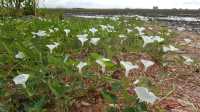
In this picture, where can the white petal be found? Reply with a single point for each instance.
(136, 82)
(66, 58)
(82, 40)
(51, 31)
(82, 36)
(187, 41)
(56, 29)
(20, 55)
(67, 31)
(122, 36)
(102, 64)
(52, 46)
(105, 59)
(94, 41)
(108, 28)
(80, 66)
(140, 30)
(21, 79)
(151, 39)
(169, 48)
(144, 95)
(40, 33)
(188, 61)
(147, 63)
(172, 48)
(93, 30)
(128, 66)
(129, 30)
(181, 29)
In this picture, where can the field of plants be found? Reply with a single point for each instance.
(113, 64)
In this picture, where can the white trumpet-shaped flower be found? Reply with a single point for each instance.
(187, 41)
(40, 33)
(67, 31)
(188, 60)
(94, 41)
(181, 29)
(82, 38)
(21, 79)
(103, 27)
(128, 66)
(20, 55)
(150, 28)
(93, 30)
(147, 63)
(151, 39)
(169, 48)
(66, 58)
(108, 28)
(145, 95)
(101, 62)
(129, 30)
(51, 30)
(140, 30)
(56, 29)
(136, 82)
(123, 38)
(52, 46)
(80, 66)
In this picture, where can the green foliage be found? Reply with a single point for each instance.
(53, 78)
(109, 97)
(57, 88)
(139, 107)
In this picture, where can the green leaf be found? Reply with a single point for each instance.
(112, 109)
(89, 75)
(109, 97)
(116, 86)
(109, 64)
(37, 105)
(95, 56)
(139, 107)
(2, 108)
(145, 82)
(57, 88)
(55, 60)
(129, 109)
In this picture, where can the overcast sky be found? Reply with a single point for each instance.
(190, 4)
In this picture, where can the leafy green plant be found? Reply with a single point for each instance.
(55, 81)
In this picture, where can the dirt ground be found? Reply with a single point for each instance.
(186, 78)
(182, 84)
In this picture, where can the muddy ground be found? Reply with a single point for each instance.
(186, 78)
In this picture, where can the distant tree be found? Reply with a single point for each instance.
(29, 6)
(17, 4)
